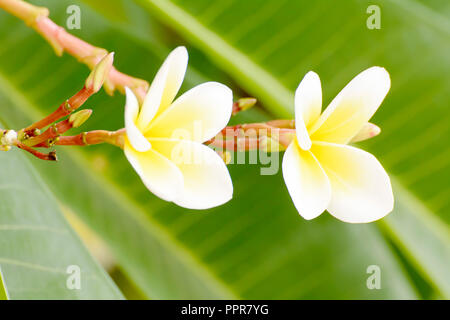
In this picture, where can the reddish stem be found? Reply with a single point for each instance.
(93, 137)
(245, 137)
(52, 132)
(61, 40)
(287, 124)
(43, 156)
(63, 110)
(255, 129)
(236, 144)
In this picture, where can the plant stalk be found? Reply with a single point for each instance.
(61, 40)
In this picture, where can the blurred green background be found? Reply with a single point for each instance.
(256, 246)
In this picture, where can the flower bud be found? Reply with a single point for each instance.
(269, 144)
(9, 138)
(369, 130)
(78, 118)
(243, 104)
(100, 72)
(52, 156)
(246, 103)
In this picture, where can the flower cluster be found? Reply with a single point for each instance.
(321, 171)
(168, 140)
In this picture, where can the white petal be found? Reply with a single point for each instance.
(197, 115)
(153, 99)
(306, 181)
(165, 86)
(308, 104)
(207, 182)
(135, 137)
(160, 176)
(361, 189)
(352, 107)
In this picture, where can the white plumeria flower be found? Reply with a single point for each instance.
(321, 171)
(153, 137)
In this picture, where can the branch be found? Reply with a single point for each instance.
(61, 40)
(66, 108)
(94, 137)
(92, 85)
(51, 156)
(254, 136)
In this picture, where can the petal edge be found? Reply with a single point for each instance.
(306, 182)
(353, 107)
(134, 135)
(361, 188)
(159, 175)
(207, 182)
(198, 115)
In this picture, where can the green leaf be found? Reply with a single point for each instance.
(37, 246)
(156, 261)
(267, 46)
(256, 246)
(3, 292)
(416, 231)
(253, 247)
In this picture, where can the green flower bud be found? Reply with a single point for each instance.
(78, 118)
(246, 103)
(369, 130)
(100, 72)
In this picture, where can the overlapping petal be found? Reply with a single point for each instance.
(361, 189)
(308, 104)
(152, 101)
(207, 182)
(306, 181)
(160, 176)
(164, 87)
(181, 170)
(198, 115)
(352, 107)
(135, 137)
